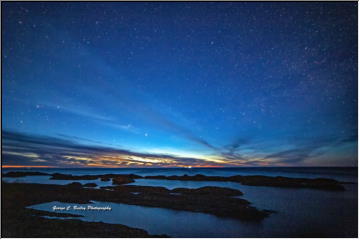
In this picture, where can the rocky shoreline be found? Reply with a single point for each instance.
(258, 180)
(253, 180)
(218, 201)
(20, 221)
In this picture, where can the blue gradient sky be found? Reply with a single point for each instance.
(179, 84)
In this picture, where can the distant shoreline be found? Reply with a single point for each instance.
(43, 167)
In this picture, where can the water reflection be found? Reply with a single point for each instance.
(47, 180)
(162, 221)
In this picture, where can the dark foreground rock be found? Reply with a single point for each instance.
(74, 185)
(255, 180)
(216, 201)
(102, 177)
(209, 190)
(19, 221)
(79, 185)
(59, 176)
(24, 174)
(122, 180)
(316, 183)
(90, 185)
(212, 200)
(51, 228)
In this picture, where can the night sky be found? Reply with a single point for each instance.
(176, 84)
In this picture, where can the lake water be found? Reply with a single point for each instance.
(300, 212)
(339, 173)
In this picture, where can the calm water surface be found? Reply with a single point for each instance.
(339, 173)
(300, 212)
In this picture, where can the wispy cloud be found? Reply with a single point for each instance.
(65, 151)
(309, 148)
(79, 110)
(26, 149)
(92, 115)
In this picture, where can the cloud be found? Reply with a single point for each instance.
(65, 151)
(291, 156)
(151, 115)
(309, 148)
(232, 150)
(27, 149)
(94, 116)
(79, 138)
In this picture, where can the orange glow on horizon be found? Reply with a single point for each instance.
(117, 166)
(13, 166)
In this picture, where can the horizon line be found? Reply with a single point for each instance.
(57, 167)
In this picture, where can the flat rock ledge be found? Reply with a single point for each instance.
(254, 180)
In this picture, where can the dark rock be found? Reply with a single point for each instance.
(90, 185)
(74, 185)
(35, 212)
(217, 191)
(257, 180)
(24, 222)
(24, 174)
(212, 203)
(103, 177)
(212, 200)
(59, 176)
(317, 183)
(122, 180)
(140, 189)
